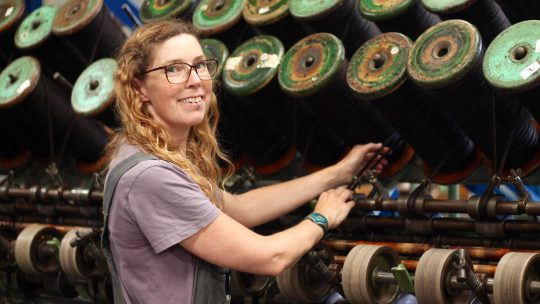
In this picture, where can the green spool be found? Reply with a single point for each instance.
(163, 9)
(75, 15)
(379, 66)
(216, 16)
(93, 91)
(253, 65)
(310, 10)
(443, 7)
(36, 28)
(444, 53)
(265, 12)
(18, 80)
(10, 12)
(310, 64)
(213, 48)
(382, 10)
(511, 62)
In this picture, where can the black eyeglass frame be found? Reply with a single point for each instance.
(191, 67)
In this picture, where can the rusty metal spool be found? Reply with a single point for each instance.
(432, 279)
(32, 253)
(302, 283)
(247, 284)
(514, 278)
(80, 261)
(12, 12)
(360, 270)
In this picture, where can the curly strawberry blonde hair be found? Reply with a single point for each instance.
(201, 160)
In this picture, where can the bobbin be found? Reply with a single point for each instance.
(164, 9)
(93, 92)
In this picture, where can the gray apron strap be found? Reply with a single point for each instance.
(110, 186)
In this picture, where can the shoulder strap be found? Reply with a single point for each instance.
(110, 186)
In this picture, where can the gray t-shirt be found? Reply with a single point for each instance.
(155, 206)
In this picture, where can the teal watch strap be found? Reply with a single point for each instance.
(320, 220)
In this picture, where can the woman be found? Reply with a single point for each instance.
(168, 215)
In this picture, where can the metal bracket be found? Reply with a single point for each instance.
(485, 198)
(524, 194)
(403, 278)
(463, 263)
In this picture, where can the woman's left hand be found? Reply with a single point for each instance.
(357, 158)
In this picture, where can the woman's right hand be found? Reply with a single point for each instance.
(335, 205)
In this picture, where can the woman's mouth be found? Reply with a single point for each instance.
(193, 100)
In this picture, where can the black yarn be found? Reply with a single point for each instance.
(486, 15)
(354, 120)
(411, 23)
(433, 134)
(469, 102)
(347, 24)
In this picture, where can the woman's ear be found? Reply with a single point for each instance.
(141, 89)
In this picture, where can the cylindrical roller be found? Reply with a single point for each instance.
(33, 254)
(405, 16)
(358, 275)
(378, 73)
(223, 20)
(338, 17)
(90, 26)
(35, 37)
(165, 9)
(11, 15)
(36, 104)
(511, 63)
(315, 69)
(301, 282)
(486, 15)
(447, 59)
(432, 278)
(93, 92)
(250, 75)
(514, 274)
(247, 284)
(272, 17)
(81, 261)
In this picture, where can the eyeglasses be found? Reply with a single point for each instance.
(179, 72)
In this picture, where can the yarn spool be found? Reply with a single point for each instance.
(90, 26)
(250, 76)
(486, 15)
(166, 9)
(272, 17)
(315, 69)
(338, 17)
(511, 63)
(222, 19)
(34, 37)
(33, 103)
(12, 13)
(93, 92)
(405, 16)
(377, 73)
(447, 59)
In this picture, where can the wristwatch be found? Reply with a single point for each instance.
(320, 220)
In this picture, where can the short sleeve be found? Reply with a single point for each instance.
(168, 206)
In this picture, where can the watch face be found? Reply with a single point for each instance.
(320, 218)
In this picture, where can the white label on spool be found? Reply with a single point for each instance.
(23, 86)
(268, 61)
(204, 7)
(531, 69)
(537, 45)
(264, 10)
(394, 50)
(9, 11)
(232, 62)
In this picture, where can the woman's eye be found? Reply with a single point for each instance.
(171, 69)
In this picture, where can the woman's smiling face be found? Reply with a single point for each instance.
(176, 107)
